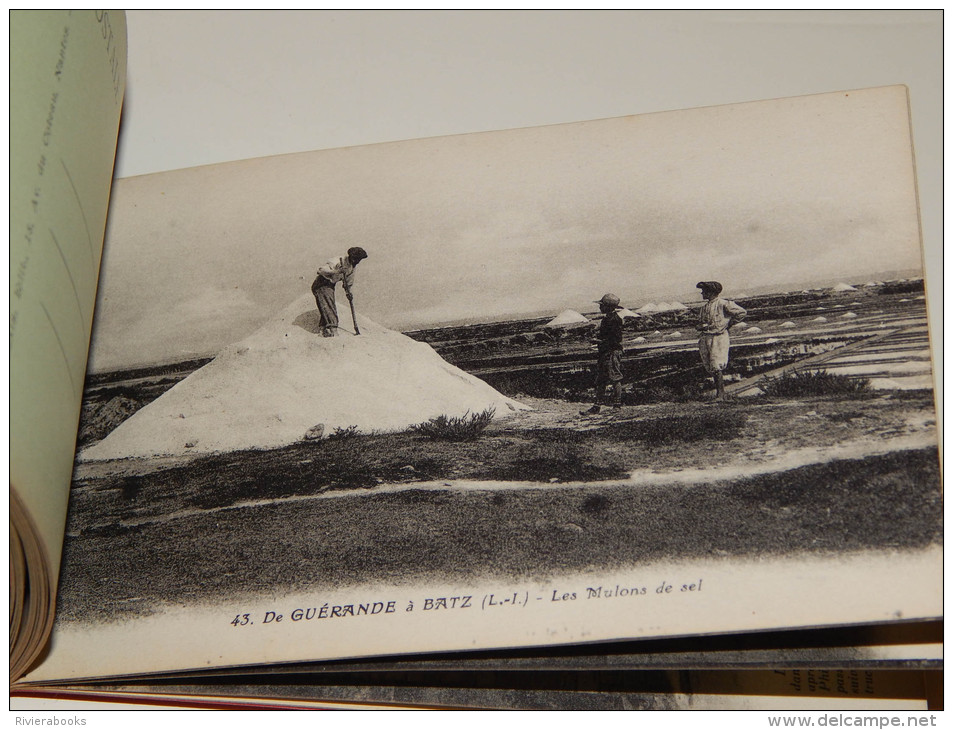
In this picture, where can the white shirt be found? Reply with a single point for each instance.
(715, 315)
(337, 270)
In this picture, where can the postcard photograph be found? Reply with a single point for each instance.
(660, 375)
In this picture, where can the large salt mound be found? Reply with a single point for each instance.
(273, 387)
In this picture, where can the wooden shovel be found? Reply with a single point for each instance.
(350, 300)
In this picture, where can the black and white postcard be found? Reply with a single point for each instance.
(661, 375)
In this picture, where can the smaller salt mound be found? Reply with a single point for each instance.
(270, 389)
(567, 318)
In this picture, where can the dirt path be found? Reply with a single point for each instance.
(858, 449)
(548, 448)
(542, 492)
(442, 534)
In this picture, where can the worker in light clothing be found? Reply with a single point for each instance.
(339, 269)
(609, 365)
(715, 318)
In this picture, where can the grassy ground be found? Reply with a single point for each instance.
(550, 444)
(187, 532)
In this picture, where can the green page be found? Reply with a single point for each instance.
(67, 76)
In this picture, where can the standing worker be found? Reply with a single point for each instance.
(340, 269)
(609, 366)
(715, 318)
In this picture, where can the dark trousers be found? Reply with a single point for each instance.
(609, 372)
(323, 291)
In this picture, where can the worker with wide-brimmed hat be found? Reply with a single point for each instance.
(609, 365)
(339, 269)
(715, 318)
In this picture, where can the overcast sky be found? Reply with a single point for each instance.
(498, 225)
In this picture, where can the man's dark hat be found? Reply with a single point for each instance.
(712, 286)
(357, 253)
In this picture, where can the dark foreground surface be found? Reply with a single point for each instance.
(315, 516)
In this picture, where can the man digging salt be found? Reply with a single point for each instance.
(715, 318)
(335, 270)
